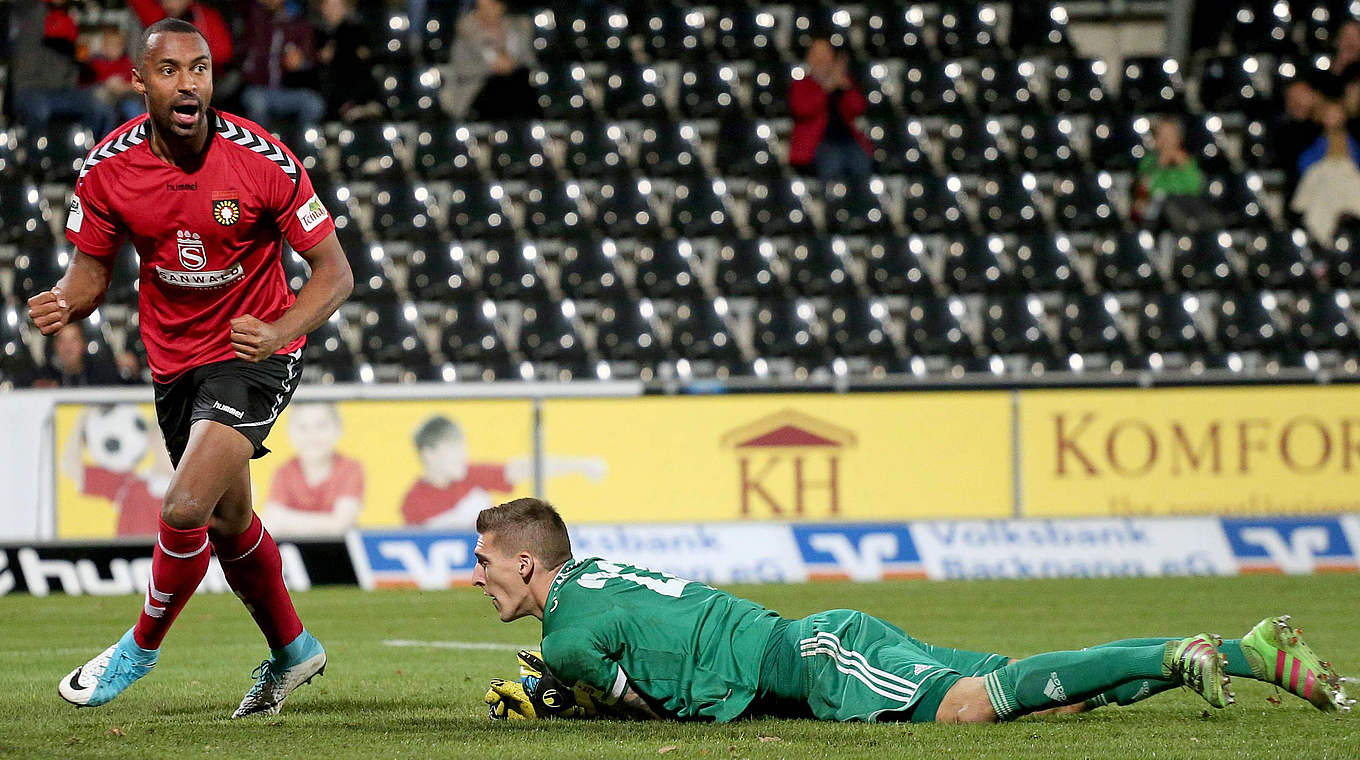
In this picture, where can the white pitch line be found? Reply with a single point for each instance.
(454, 645)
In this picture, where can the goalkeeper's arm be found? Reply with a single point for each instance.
(539, 694)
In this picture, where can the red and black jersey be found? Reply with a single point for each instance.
(210, 241)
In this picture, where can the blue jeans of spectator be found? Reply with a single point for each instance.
(36, 109)
(129, 108)
(264, 103)
(842, 161)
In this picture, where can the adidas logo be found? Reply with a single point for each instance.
(1054, 689)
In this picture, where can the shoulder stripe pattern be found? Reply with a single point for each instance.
(134, 136)
(247, 139)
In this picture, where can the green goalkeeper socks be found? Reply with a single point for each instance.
(1137, 691)
(1064, 678)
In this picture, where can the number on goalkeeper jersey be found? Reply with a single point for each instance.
(666, 585)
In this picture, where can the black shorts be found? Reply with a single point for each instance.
(247, 396)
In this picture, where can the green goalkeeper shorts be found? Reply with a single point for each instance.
(845, 665)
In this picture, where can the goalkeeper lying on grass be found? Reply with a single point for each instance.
(621, 641)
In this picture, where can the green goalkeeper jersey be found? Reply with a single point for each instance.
(691, 649)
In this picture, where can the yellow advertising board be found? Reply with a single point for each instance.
(866, 456)
(332, 466)
(1238, 450)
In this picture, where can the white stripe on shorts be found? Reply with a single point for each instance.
(277, 406)
(853, 663)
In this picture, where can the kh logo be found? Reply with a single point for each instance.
(784, 460)
(191, 252)
(1289, 546)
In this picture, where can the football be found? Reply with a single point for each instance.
(116, 436)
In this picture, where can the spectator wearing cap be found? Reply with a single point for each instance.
(825, 103)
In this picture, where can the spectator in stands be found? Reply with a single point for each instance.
(278, 64)
(45, 72)
(1297, 132)
(1344, 68)
(204, 17)
(825, 104)
(1329, 187)
(66, 365)
(319, 491)
(1330, 114)
(113, 74)
(493, 56)
(1168, 173)
(345, 53)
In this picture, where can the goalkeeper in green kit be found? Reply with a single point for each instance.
(626, 642)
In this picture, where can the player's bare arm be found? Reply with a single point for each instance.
(634, 706)
(328, 287)
(78, 293)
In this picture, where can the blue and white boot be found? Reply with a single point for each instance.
(98, 681)
(285, 670)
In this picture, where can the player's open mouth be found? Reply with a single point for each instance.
(185, 114)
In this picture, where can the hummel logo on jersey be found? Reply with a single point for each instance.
(237, 413)
(1054, 689)
(191, 252)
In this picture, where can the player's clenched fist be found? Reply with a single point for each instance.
(254, 340)
(49, 310)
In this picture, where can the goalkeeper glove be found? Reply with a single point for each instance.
(506, 700)
(539, 694)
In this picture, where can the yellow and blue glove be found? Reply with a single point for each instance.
(538, 694)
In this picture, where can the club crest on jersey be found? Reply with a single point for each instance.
(191, 252)
(226, 209)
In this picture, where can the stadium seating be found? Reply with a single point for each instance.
(649, 225)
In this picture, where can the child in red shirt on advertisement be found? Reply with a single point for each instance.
(319, 491)
(452, 491)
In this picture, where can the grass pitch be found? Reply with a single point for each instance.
(417, 701)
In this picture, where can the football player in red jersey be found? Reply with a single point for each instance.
(207, 199)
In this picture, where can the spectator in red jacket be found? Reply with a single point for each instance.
(203, 16)
(825, 103)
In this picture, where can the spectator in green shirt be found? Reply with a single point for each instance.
(1165, 172)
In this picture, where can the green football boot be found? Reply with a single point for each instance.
(1277, 654)
(1197, 663)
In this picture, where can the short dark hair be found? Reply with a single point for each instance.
(169, 26)
(436, 429)
(531, 525)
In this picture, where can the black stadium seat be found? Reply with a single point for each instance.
(438, 270)
(818, 267)
(663, 269)
(746, 268)
(586, 270)
(896, 266)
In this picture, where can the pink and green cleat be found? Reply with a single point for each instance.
(1197, 664)
(1276, 652)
